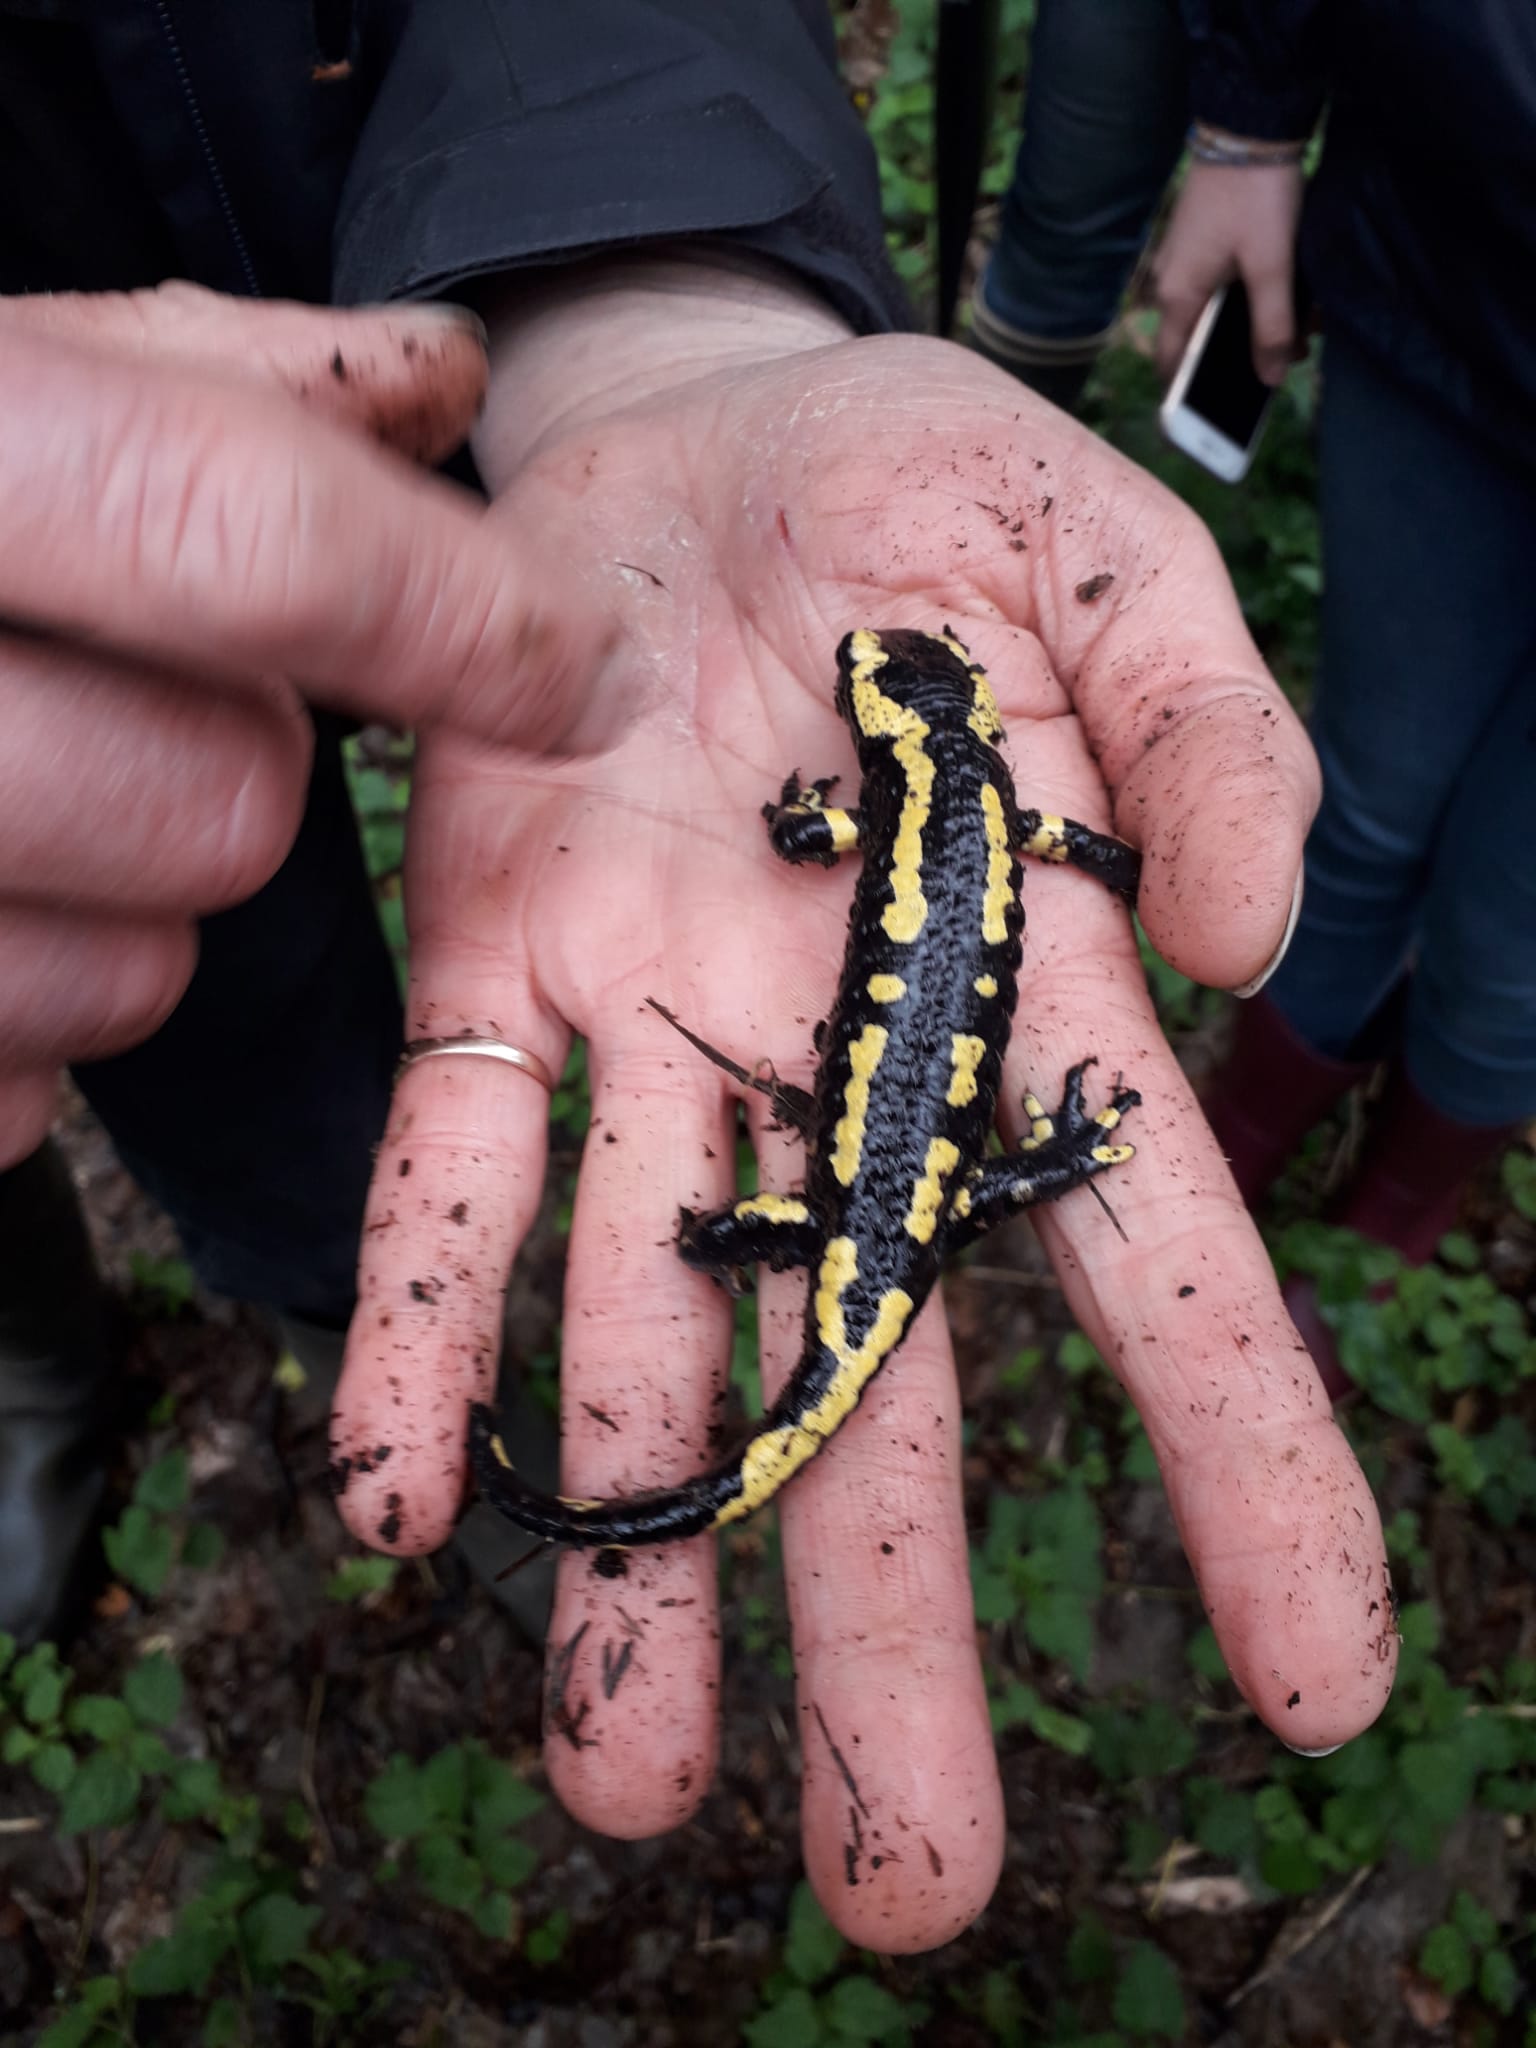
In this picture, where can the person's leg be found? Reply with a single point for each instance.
(1469, 1037)
(251, 1115)
(1105, 113)
(59, 1345)
(1425, 621)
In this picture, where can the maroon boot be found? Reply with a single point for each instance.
(1269, 1092)
(1414, 1171)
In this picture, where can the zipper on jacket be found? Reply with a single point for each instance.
(205, 144)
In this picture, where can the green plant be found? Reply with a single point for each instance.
(1040, 1565)
(1409, 1336)
(154, 1534)
(161, 1287)
(1464, 1953)
(802, 2009)
(361, 1578)
(452, 1822)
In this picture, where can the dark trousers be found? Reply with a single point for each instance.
(1105, 113)
(1423, 855)
(252, 1114)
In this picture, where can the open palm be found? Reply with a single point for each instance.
(744, 522)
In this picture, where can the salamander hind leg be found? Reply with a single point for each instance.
(803, 826)
(1061, 1153)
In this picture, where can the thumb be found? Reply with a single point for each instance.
(412, 376)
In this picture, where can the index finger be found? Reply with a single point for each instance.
(414, 375)
(223, 529)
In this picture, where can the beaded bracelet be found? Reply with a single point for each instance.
(1210, 145)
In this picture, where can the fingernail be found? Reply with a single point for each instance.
(1313, 1753)
(455, 315)
(1251, 988)
(446, 310)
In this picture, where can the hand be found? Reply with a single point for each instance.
(748, 518)
(1231, 221)
(192, 513)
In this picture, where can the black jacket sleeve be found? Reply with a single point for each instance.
(504, 133)
(1260, 67)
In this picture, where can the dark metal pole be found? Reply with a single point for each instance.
(965, 64)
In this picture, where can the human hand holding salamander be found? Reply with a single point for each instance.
(712, 451)
(205, 521)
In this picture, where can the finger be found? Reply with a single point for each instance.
(455, 1188)
(632, 1687)
(1211, 773)
(902, 1811)
(223, 530)
(77, 986)
(1178, 310)
(413, 375)
(1272, 320)
(28, 1102)
(1276, 1516)
(193, 796)
(1273, 1511)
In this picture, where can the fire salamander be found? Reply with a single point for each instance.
(911, 1061)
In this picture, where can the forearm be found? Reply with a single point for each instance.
(586, 339)
(1259, 71)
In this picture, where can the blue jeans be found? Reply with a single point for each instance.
(1423, 856)
(1105, 114)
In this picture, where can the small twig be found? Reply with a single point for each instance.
(1131, 1589)
(1281, 1956)
(88, 1915)
(1093, 1189)
(1005, 1276)
(23, 1824)
(307, 1763)
(1177, 1852)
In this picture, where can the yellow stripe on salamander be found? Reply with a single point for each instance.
(778, 1454)
(886, 988)
(880, 717)
(772, 1209)
(848, 1139)
(1050, 841)
(966, 1053)
(922, 1219)
(999, 892)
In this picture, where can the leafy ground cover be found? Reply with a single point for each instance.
(280, 1792)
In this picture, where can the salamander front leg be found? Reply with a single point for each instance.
(1069, 844)
(803, 826)
(1060, 1153)
(776, 1231)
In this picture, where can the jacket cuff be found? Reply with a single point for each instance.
(1225, 95)
(542, 192)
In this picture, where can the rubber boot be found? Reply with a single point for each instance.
(61, 1347)
(1269, 1092)
(1414, 1170)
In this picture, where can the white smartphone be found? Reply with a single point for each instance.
(1216, 405)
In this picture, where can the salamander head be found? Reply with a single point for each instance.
(889, 683)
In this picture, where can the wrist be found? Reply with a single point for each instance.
(1209, 144)
(570, 345)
